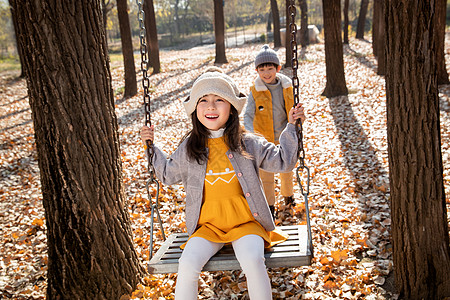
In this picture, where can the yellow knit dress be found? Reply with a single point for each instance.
(225, 215)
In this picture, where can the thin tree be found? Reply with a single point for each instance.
(304, 40)
(380, 32)
(334, 54)
(90, 248)
(18, 46)
(346, 21)
(276, 23)
(421, 251)
(362, 19)
(152, 36)
(219, 32)
(127, 49)
(377, 18)
(441, 11)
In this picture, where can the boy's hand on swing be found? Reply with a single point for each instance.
(297, 112)
(147, 134)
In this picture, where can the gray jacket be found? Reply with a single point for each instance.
(267, 156)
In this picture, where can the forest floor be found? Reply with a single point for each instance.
(346, 151)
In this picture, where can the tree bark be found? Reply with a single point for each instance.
(421, 249)
(362, 19)
(334, 54)
(219, 32)
(381, 36)
(152, 36)
(304, 40)
(441, 12)
(90, 248)
(276, 23)
(127, 49)
(346, 21)
(377, 18)
(18, 46)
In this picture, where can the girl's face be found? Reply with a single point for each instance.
(213, 111)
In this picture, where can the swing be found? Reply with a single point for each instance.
(296, 251)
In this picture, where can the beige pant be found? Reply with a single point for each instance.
(268, 181)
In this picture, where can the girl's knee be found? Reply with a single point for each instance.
(190, 263)
(252, 261)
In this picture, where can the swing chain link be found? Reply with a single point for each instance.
(148, 122)
(299, 127)
(295, 80)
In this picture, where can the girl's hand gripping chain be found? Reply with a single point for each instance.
(297, 112)
(147, 134)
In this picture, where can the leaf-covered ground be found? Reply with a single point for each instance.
(346, 150)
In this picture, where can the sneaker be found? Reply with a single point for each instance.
(289, 200)
(272, 211)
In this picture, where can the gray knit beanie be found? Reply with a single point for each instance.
(214, 81)
(266, 55)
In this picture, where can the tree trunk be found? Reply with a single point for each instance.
(90, 248)
(346, 21)
(288, 38)
(334, 54)
(127, 49)
(152, 36)
(362, 19)
(421, 249)
(441, 7)
(276, 23)
(219, 32)
(381, 35)
(378, 18)
(303, 5)
(18, 46)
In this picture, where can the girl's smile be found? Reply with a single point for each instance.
(213, 111)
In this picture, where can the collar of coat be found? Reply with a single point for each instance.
(285, 82)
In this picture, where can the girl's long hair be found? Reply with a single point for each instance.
(197, 138)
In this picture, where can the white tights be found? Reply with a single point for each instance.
(249, 251)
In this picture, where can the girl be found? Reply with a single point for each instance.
(218, 164)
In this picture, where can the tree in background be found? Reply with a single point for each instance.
(219, 32)
(127, 49)
(421, 251)
(276, 23)
(362, 19)
(18, 47)
(441, 7)
(379, 32)
(152, 36)
(377, 18)
(334, 54)
(304, 40)
(346, 21)
(89, 237)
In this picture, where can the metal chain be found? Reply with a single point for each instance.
(295, 80)
(301, 151)
(148, 122)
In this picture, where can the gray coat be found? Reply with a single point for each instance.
(267, 156)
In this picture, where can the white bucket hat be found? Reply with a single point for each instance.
(214, 81)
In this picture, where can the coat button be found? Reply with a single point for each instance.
(230, 155)
(239, 174)
(247, 195)
(255, 214)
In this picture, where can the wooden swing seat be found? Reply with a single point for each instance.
(293, 252)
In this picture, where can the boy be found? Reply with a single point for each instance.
(268, 104)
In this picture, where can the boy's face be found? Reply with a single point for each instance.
(268, 73)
